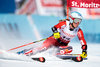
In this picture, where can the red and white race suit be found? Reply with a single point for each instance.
(66, 36)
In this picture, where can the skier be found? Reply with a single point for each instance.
(63, 33)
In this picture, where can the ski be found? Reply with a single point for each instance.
(40, 59)
(74, 57)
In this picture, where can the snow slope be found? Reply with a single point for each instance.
(14, 60)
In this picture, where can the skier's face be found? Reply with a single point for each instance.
(75, 24)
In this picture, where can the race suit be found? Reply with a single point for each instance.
(66, 35)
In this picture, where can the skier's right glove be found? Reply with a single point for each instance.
(56, 35)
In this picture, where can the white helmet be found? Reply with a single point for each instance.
(76, 16)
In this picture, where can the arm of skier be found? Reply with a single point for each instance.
(83, 43)
(56, 29)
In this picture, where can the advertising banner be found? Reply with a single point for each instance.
(84, 3)
(50, 7)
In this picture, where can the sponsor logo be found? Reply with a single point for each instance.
(85, 5)
(68, 34)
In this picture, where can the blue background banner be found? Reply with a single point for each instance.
(18, 26)
(7, 6)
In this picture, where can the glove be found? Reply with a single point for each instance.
(84, 54)
(84, 51)
(56, 35)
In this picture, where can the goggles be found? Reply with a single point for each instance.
(76, 20)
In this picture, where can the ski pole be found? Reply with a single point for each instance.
(26, 44)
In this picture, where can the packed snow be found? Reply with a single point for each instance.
(11, 59)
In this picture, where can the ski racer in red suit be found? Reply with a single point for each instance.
(63, 33)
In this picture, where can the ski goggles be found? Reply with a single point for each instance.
(76, 20)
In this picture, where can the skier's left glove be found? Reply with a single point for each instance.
(84, 51)
(84, 54)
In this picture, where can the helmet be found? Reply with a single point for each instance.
(76, 16)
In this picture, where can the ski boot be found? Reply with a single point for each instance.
(64, 50)
(25, 51)
(22, 52)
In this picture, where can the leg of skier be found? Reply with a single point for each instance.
(64, 50)
(49, 42)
